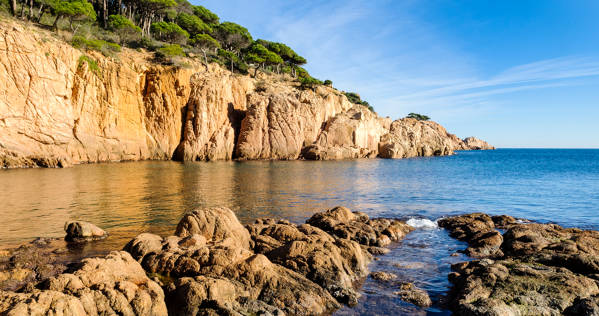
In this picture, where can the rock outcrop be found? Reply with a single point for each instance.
(114, 285)
(214, 266)
(412, 138)
(473, 143)
(60, 106)
(532, 269)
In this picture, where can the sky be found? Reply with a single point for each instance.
(521, 73)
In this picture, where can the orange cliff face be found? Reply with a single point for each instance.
(57, 110)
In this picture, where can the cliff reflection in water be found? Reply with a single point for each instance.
(130, 198)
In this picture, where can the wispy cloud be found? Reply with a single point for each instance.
(401, 60)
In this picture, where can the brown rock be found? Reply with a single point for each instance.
(215, 224)
(80, 231)
(349, 135)
(383, 276)
(473, 143)
(115, 284)
(412, 294)
(411, 138)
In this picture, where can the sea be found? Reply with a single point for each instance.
(542, 185)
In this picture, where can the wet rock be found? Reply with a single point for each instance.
(383, 276)
(503, 221)
(356, 226)
(79, 231)
(414, 295)
(541, 269)
(26, 266)
(115, 284)
(587, 306)
(478, 230)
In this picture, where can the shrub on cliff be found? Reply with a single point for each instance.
(169, 32)
(309, 82)
(106, 48)
(419, 117)
(92, 65)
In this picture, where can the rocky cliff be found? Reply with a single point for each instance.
(61, 106)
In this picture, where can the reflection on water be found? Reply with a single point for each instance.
(130, 198)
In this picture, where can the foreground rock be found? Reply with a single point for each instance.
(215, 266)
(112, 285)
(532, 269)
(79, 231)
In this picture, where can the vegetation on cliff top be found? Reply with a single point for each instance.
(419, 117)
(170, 28)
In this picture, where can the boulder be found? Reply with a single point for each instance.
(215, 224)
(79, 231)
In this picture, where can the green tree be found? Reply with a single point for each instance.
(169, 32)
(147, 11)
(192, 24)
(206, 15)
(123, 27)
(419, 117)
(74, 10)
(205, 43)
(233, 37)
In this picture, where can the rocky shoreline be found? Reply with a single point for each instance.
(213, 265)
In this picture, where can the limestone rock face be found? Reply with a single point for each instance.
(212, 114)
(55, 110)
(352, 134)
(412, 138)
(115, 284)
(473, 143)
(281, 121)
(60, 106)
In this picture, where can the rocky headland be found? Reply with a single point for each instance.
(58, 109)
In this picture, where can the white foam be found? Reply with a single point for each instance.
(422, 223)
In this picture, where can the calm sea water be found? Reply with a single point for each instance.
(545, 185)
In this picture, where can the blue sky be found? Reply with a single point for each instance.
(516, 73)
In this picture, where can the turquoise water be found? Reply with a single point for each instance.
(545, 185)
